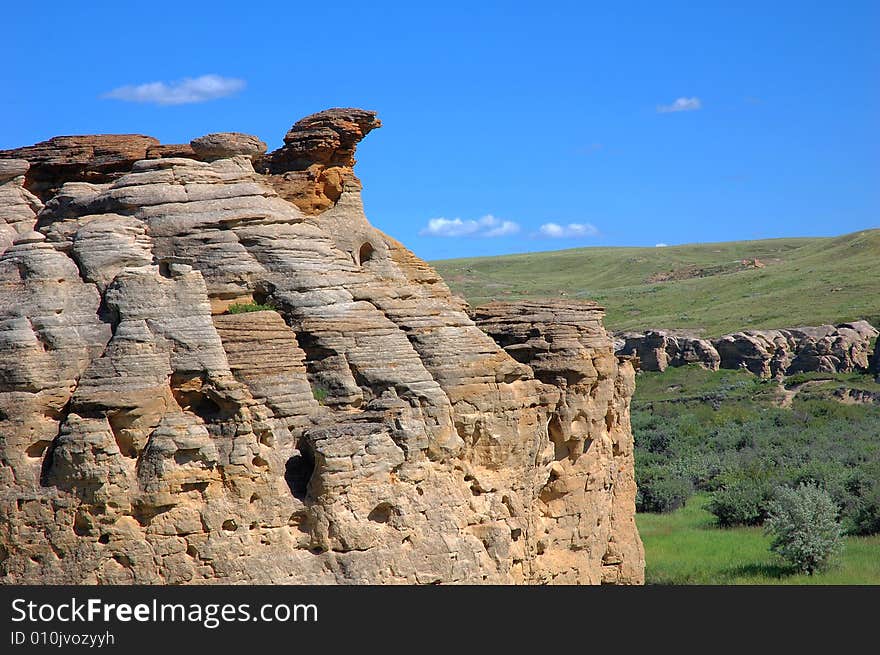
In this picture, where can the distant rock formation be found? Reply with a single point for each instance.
(766, 353)
(659, 349)
(362, 430)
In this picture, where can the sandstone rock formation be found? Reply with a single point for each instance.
(364, 430)
(659, 349)
(93, 158)
(768, 353)
(317, 160)
(222, 145)
(569, 351)
(18, 206)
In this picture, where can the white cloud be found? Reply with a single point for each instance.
(681, 104)
(181, 92)
(570, 231)
(488, 226)
(661, 245)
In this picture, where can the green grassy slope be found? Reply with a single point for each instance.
(803, 282)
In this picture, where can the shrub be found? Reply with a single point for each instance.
(320, 394)
(860, 511)
(243, 308)
(743, 501)
(803, 524)
(663, 494)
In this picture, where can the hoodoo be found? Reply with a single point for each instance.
(359, 426)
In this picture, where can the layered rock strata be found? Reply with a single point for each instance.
(839, 348)
(362, 430)
(317, 160)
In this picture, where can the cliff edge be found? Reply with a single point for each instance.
(357, 427)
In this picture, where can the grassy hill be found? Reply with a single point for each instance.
(713, 288)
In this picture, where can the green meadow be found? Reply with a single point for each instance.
(687, 547)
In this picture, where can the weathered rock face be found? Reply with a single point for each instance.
(658, 349)
(18, 206)
(317, 159)
(569, 351)
(366, 430)
(93, 158)
(767, 353)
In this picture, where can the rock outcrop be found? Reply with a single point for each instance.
(659, 349)
(363, 430)
(567, 347)
(94, 158)
(317, 160)
(18, 206)
(768, 353)
(222, 145)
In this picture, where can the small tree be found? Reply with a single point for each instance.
(804, 526)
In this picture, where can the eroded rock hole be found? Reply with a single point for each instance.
(144, 514)
(186, 456)
(82, 526)
(120, 422)
(365, 253)
(37, 449)
(194, 396)
(382, 513)
(557, 436)
(298, 472)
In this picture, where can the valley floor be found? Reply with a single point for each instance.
(686, 547)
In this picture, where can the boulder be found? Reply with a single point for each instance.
(227, 144)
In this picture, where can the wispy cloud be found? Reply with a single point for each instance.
(180, 92)
(661, 245)
(488, 227)
(681, 104)
(570, 231)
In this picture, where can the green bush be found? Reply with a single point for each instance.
(860, 503)
(243, 308)
(320, 394)
(663, 494)
(803, 524)
(744, 501)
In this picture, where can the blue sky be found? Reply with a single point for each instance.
(499, 118)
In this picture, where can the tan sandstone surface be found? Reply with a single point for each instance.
(365, 429)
